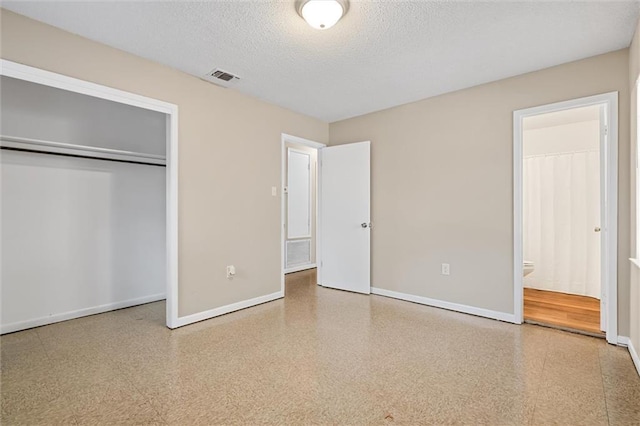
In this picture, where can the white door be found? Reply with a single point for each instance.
(345, 217)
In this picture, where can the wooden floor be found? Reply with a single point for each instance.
(562, 310)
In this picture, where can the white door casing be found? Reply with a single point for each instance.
(345, 210)
(609, 199)
(603, 216)
(290, 139)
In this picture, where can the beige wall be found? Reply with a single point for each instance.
(226, 212)
(442, 183)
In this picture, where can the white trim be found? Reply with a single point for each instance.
(172, 219)
(23, 325)
(303, 141)
(518, 265)
(465, 309)
(212, 313)
(634, 356)
(51, 79)
(47, 78)
(300, 268)
(283, 161)
(625, 341)
(609, 222)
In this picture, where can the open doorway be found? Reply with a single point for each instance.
(565, 166)
(299, 195)
(326, 215)
(300, 224)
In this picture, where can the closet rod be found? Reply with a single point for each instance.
(83, 151)
(36, 151)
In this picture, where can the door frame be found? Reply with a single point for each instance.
(609, 223)
(286, 138)
(51, 79)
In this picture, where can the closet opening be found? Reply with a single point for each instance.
(88, 207)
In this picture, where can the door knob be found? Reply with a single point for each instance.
(364, 225)
(596, 229)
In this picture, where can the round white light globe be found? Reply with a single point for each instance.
(322, 14)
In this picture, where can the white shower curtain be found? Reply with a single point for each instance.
(561, 210)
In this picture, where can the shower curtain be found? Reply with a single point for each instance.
(561, 209)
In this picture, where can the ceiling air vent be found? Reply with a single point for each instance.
(221, 78)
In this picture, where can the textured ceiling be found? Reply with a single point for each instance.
(381, 54)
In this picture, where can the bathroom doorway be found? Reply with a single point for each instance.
(565, 166)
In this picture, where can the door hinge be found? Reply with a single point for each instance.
(606, 130)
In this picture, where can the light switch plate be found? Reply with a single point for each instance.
(231, 271)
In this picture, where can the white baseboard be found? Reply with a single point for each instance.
(446, 305)
(634, 355)
(300, 268)
(623, 341)
(211, 313)
(37, 322)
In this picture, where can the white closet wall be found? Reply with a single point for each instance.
(35, 111)
(79, 235)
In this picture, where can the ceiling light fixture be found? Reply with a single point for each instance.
(322, 14)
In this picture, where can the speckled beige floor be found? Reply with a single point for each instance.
(319, 356)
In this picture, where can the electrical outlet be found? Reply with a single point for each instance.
(231, 271)
(274, 191)
(445, 269)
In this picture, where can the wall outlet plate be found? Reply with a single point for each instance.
(446, 269)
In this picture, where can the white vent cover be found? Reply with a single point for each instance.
(221, 78)
(298, 253)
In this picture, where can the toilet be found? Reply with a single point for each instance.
(528, 267)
